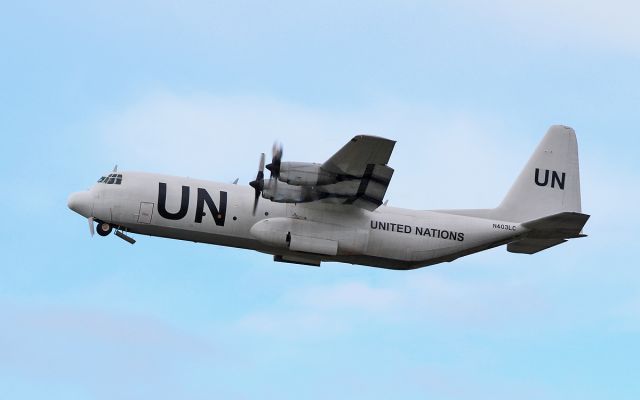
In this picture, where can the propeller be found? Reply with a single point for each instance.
(258, 183)
(276, 159)
(91, 228)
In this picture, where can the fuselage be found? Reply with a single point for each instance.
(222, 214)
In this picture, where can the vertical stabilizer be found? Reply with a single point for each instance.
(549, 183)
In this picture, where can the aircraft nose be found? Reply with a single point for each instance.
(80, 202)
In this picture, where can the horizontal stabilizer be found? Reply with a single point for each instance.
(549, 231)
(531, 246)
(565, 225)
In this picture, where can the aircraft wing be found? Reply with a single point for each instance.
(363, 174)
(361, 151)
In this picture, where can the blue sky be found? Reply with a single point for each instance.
(200, 88)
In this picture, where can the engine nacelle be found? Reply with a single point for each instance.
(282, 192)
(304, 174)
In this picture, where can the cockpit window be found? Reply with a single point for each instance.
(112, 179)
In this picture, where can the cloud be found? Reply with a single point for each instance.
(591, 24)
(97, 352)
(610, 25)
(322, 310)
(428, 299)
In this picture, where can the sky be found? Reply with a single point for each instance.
(201, 88)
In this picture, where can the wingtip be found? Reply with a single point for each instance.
(365, 136)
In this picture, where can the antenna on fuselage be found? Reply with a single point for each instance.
(115, 168)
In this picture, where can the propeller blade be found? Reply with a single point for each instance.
(276, 160)
(91, 227)
(255, 202)
(258, 183)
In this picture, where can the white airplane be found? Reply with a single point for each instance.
(334, 211)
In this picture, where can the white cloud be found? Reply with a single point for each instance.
(429, 299)
(322, 310)
(587, 24)
(97, 352)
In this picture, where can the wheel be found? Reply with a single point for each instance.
(104, 229)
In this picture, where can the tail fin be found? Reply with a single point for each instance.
(549, 183)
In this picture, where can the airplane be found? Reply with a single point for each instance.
(334, 211)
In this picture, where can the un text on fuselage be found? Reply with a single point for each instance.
(218, 213)
(417, 230)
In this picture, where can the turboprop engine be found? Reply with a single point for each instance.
(305, 174)
(333, 181)
(282, 192)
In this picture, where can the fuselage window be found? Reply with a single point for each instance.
(102, 179)
(111, 179)
(118, 179)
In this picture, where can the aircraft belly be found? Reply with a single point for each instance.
(199, 236)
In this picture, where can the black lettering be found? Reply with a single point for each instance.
(460, 237)
(374, 224)
(162, 203)
(546, 177)
(218, 216)
(444, 234)
(556, 178)
(418, 230)
(407, 229)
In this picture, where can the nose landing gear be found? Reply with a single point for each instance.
(104, 228)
